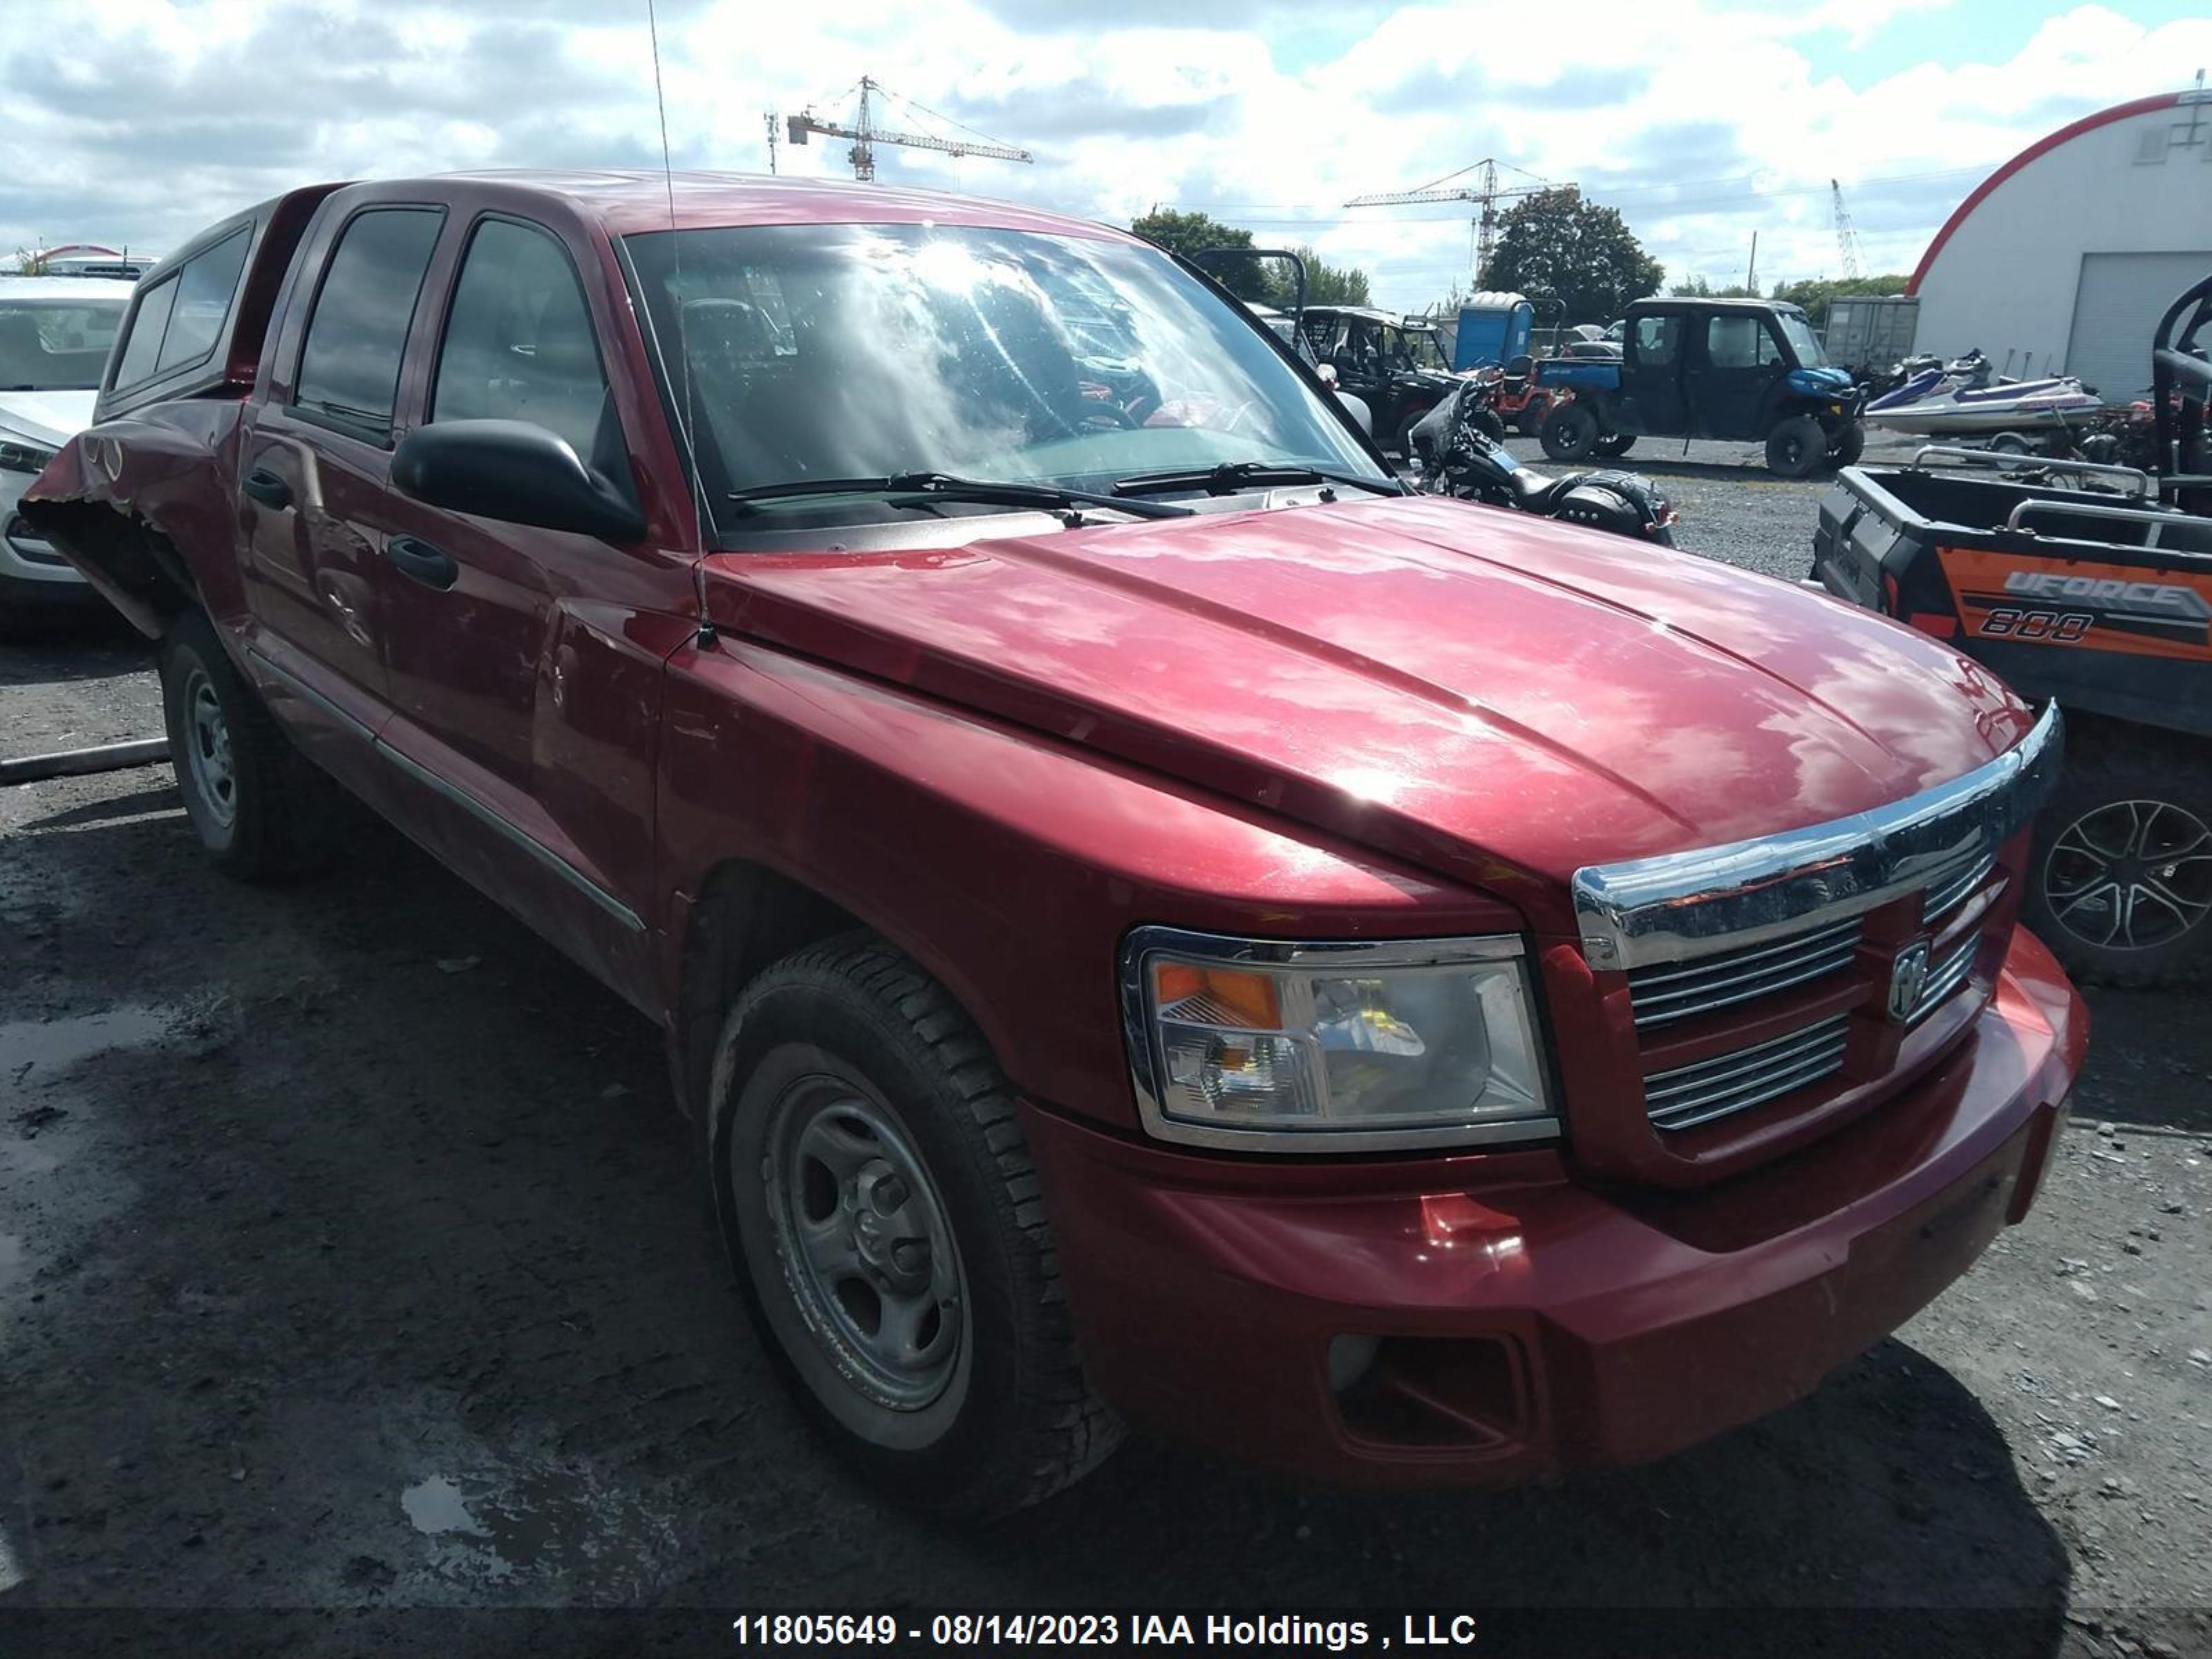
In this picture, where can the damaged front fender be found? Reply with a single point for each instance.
(144, 507)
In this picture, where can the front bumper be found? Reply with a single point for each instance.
(1529, 1325)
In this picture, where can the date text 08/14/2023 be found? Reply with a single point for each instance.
(1163, 1630)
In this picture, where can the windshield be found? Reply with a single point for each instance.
(1802, 340)
(848, 351)
(1415, 348)
(47, 345)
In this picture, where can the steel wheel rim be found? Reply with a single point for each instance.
(2130, 875)
(207, 749)
(859, 1230)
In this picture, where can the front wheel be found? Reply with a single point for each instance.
(1616, 443)
(2120, 881)
(1850, 445)
(884, 1218)
(1570, 434)
(1796, 447)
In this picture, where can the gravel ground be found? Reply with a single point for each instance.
(351, 1271)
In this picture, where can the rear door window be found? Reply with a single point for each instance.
(143, 349)
(519, 342)
(204, 291)
(350, 363)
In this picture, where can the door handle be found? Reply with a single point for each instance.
(418, 560)
(266, 488)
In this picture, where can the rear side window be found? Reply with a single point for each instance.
(349, 364)
(143, 349)
(519, 342)
(203, 292)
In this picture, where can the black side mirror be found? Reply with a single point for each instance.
(513, 472)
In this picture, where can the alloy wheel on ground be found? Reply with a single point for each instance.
(2130, 875)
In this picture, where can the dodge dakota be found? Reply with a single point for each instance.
(1153, 924)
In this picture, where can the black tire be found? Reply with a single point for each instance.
(2010, 443)
(2126, 787)
(1850, 445)
(258, 807)
(1798, 447)
(1570, 433)
(1616, 443)
(851, 1034)
(1488, 423)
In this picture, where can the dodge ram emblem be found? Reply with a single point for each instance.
(1908, 977)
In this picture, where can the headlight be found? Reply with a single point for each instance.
(1332, 1047)
(16, 456)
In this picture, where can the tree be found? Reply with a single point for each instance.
(1554, 242)
(1189, 233)
(1815, 296)
(1326, 284)
(1258, 279)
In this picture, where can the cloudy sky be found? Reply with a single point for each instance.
(1701, 120)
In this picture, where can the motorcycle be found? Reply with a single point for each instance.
(1458, 447)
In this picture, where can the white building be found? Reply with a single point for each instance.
(2064, 257)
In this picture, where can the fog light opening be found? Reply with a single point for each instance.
(1349, 1358)
(1466, 1393)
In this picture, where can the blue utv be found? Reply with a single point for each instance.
(1746, 370)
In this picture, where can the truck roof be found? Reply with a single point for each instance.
(627, 203)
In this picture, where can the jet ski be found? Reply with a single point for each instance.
(1962, 396)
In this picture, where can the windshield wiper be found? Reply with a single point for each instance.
(923, 488)
(1230, 476)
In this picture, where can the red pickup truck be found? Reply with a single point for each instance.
(1151, 922)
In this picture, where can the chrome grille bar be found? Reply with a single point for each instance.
(1948, 893)
(1664, 994)
(1946, 975)
(1690, 1095)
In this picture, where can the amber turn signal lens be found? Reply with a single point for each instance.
(1248, 998)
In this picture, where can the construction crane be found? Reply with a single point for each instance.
(1483, 191)
(867, 135)
(1847, 239)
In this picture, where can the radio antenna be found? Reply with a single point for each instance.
(683, 348)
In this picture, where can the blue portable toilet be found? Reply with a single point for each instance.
(1493, 328)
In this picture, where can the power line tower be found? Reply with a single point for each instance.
(1482, 191)
(867, 135)
(1847, 239)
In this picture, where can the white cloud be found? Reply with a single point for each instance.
(146, 119)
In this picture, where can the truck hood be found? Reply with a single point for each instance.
(48, 418)
(1497, 698)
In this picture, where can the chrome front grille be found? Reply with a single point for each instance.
(1667, 992)
(1777, 926)
(1744, 1078)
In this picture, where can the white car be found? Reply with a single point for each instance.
(54, 336)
